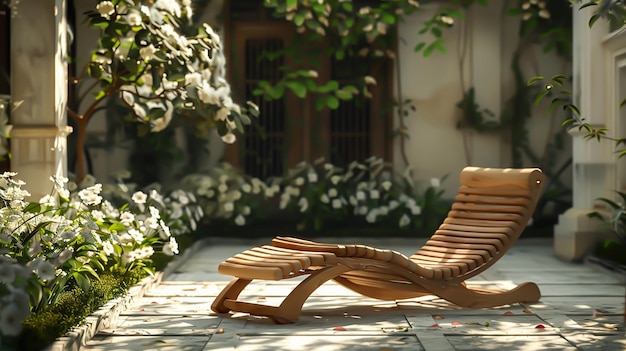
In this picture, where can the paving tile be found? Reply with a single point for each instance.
(160, 343)
(582, 289)
(331, 324)
(581, 304)
(510, 342)
(187, 289)
(327, 343)
(164, 325)
(171, 305)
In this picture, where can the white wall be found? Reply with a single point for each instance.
(435, 84)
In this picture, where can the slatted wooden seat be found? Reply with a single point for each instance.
(489, 213)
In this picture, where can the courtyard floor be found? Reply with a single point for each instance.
(582, 308)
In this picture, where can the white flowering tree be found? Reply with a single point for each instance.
(166, 71)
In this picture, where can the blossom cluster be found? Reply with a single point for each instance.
(164, 67)
(226, 194)
(69, 237)
(534, 8)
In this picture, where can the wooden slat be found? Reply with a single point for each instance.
(488, 208)
(498, 200)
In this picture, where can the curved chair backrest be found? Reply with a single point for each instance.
(492, 208)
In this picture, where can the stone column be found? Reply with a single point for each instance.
(593, 163)
(39, 86)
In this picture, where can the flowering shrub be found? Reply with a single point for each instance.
(370, 191)
(226, 194)
(69, 237)
(318, 194)
(165, 69)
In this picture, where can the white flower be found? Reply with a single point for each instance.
(147, 53)
(312, 177)
(335, 179)
(435, 182)
(332, 192)
(127, 217)
(229, 138)
(246, 188)
(324, 198)
(11, 317)
(383, 210)
(240, 220)
(97, 215)
(416, 210)
(48, 200)
(299, 181)
(171, 248)
(374, 194)
(245, 210)
(386, 185)
(393, 204)
(128, 257)
(304, 204)
(140, 197)
(353, 201)
(369, 80)
(404, 221)
(106, 8)
(336, 203)
(133, 18)
(360, 195)
(229, 207)
(107, 247)
(371, 216)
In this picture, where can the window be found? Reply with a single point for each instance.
(290, 129)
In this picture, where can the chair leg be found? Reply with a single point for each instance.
(291, 306)
(230, 292)
(484, 298)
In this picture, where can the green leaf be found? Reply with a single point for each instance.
(33, 207)
(292, 3)
(534, 79)
(389, 18)
(298, 88)
(343, 95)
(541, 96)
(277, 92)
(347, 6)
(332, 102)
(298, 19)
(419, 46)
(593, 19)
(436, 31)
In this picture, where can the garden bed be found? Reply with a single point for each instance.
(107, 316)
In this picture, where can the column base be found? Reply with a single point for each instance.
(576, 234)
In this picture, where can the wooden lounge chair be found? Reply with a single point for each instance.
(490, 211)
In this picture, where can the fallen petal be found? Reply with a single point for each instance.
(540, 326)
(438, 317)
(220, 331)
(339, 329)
(508, 313)
(527, 311)
(435, 325)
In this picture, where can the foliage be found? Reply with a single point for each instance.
(69, 239)
(320, 195)
(226, 194)
(70, 310)
(614, 215)
(349, 30)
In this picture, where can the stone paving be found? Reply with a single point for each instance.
(581, 308)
